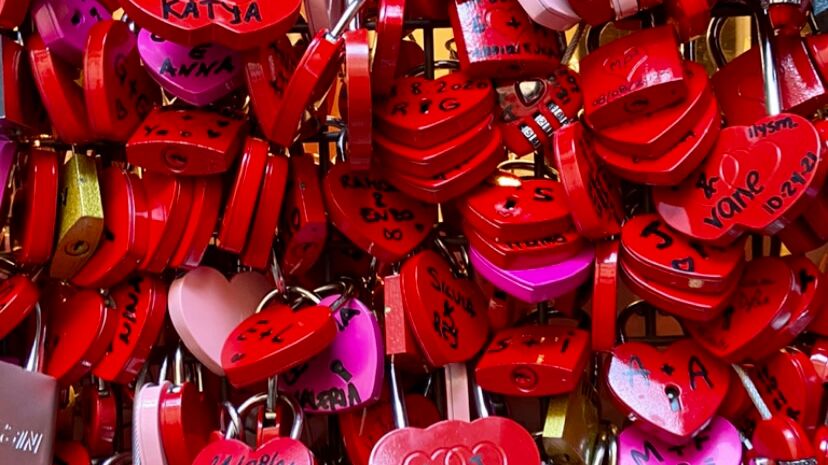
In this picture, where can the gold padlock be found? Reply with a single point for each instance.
(81, 216)
(571, 426)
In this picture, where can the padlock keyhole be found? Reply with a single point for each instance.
(673, 397)
(510, 203)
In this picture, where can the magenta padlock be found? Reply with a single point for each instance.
(198, 75)
(64, 25)
(341, 378)
(717, 444)
(537, 285)
(554, 14)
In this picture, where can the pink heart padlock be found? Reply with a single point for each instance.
(341, 378)
(536, 285)
(205, 308)
(145, 425)
(198, 75)
(554, 14)
(717, 444)
(64, 25)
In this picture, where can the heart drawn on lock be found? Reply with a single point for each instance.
(275, 340)
(423, 113)
(199, 75)
(753, 180)
(279, 450)
(719, 443)
(674, 393)
(341, 378)
(205, 308)
(232, 23)
(492, 440)
(447, 312)
(375, 215)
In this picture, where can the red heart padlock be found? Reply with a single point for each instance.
(355, 99)
(169, 199)
(690, 17)
(275, 340)
(100, 418)
(675, 392)
(141, 304)
(304, 225)
(204, 211)
(423, 113)
(660, 254)
(497, 39)
(61, 95)
(446, 311)
(241, 202)
(790, 385)
(632, 76)
(232, 23)
(274, 451)
(81, 328)
(267, 72)
(119, 94)
(518, 213)
(186, 142)
(605, 296)
(186, 418)
(763, 303)
(753, 180)
(258, 250)
(125, 239)
(594, 196)
(533, 253)
(487, 440)
(35, 211)
(21, 104)
(18, 297)
(362, 429)
(374, 215)
(534, 361)
(71, 453)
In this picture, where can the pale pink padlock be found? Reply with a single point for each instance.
(148, 449)
(624, 8)
(64, 25)
(341, 378)
(554, 14)
(205, 308)
(537, 285)
(719, 443)
(198, 75)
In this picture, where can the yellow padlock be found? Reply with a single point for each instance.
(571, 426)
(80, 215)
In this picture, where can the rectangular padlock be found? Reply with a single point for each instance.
(81, 216)
(571, 426)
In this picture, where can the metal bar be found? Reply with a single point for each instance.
(372, 25)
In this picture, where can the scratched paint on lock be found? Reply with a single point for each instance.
(348, 374)
(199, 74)
(717, 444)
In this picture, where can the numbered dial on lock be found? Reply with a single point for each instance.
(674, 393)
(232, 23)
(447, 312)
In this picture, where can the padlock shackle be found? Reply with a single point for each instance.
(753, 393)
(235, 425)
(773, 93)
(348, 15)
(34, 362)
(261, 400)
(480, 401)
(398, 408)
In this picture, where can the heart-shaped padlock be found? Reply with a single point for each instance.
(659, 254)
(18, 296)
(533, 253)
(201, 221)
(387, 45)
(554, 14)
(533, 361)
(205, 308)
(118, 91)
(340, 379)
(35, 208)
(141, 303)
(536, 285)
(753, 180)
(232, 23)
(186, 142)
(374, 215)
(21, 106)
(275, 340)
(267, 72)
(304, 224)
(65, 26)
(242, 198)
(790, 385)
(12, 13)
(718, 443)
(258, 251)
(198, 75)
(446, 311)
(658, 387)
(169, 199)
(81, 329)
